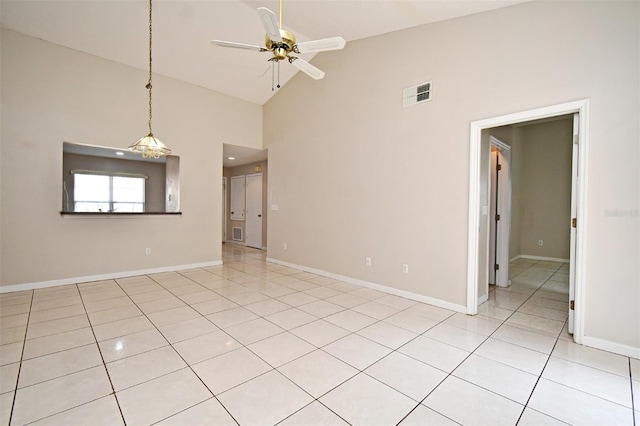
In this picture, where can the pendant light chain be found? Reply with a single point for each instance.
(150, 61)
(149, 146)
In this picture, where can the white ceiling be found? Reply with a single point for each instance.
(241, 155)
(118, 30)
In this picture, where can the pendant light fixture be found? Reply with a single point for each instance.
(149, 146)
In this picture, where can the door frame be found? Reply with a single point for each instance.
(503, 208)
(581, 107)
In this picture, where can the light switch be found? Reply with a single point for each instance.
(485, 210)
(274, 207)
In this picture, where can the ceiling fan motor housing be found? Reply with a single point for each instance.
(281, 50)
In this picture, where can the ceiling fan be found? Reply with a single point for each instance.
(282, 44)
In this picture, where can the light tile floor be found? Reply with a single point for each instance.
(255, 343)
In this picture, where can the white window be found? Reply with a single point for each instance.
(104, 193)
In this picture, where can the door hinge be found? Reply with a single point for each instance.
(497, 217)
(499, 167)
(572, 305)
(496, 267)
(574, 222)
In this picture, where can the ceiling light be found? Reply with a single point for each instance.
(120, 153)
(231, 158)
(149, 146)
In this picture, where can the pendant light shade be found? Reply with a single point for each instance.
(149, 146)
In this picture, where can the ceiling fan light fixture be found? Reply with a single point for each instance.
(282, 44)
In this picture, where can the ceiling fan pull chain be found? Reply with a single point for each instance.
(278, 86)
(272, 77)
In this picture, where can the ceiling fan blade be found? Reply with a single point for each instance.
(237, 45)
(270, 23)
(333, 43)
(307, 68)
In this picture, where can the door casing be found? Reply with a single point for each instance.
(503, 208)
(582, 108)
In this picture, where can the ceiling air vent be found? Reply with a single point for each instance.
(416, 94)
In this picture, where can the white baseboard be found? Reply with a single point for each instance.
(542, 258)
(101, 277)
(385, 289)
(609, 346)
(482, 299)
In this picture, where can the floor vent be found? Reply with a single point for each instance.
(416, 94)
(237, 233)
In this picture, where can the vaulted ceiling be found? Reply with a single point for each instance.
(118, 30)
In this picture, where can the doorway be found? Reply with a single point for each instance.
(241, 165)
(478, 235)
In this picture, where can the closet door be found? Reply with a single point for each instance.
(238, 192)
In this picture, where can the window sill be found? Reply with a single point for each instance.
(120, 214)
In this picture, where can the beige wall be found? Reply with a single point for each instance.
(248, 169)
(544, 188)
(52, 94)
(355, 174)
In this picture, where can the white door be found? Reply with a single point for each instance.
(224, 209)
(500, 219)
(237, 197)
(575, 182)
(253, 231)
(493, 206)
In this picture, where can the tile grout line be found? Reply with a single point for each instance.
(265, 361)
(633, 402)
(24, 343)
(472, 352)
(213, 395)
(104, 364)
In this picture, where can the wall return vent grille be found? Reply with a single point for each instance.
(416, 94)
(237, 233)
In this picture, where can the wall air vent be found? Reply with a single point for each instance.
(416, 94)
(237, 233)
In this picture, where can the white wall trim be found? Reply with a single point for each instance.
(543, 258)
(385, 289)
(582, 107)
(101, 277)
(237, 243)
(609, 346)
(485, 297)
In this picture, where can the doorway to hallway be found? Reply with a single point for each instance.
(478, 267)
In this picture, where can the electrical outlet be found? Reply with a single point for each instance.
(367, 261)
(284, 246)
(147, 251)
(540, 243)
(405, 268)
